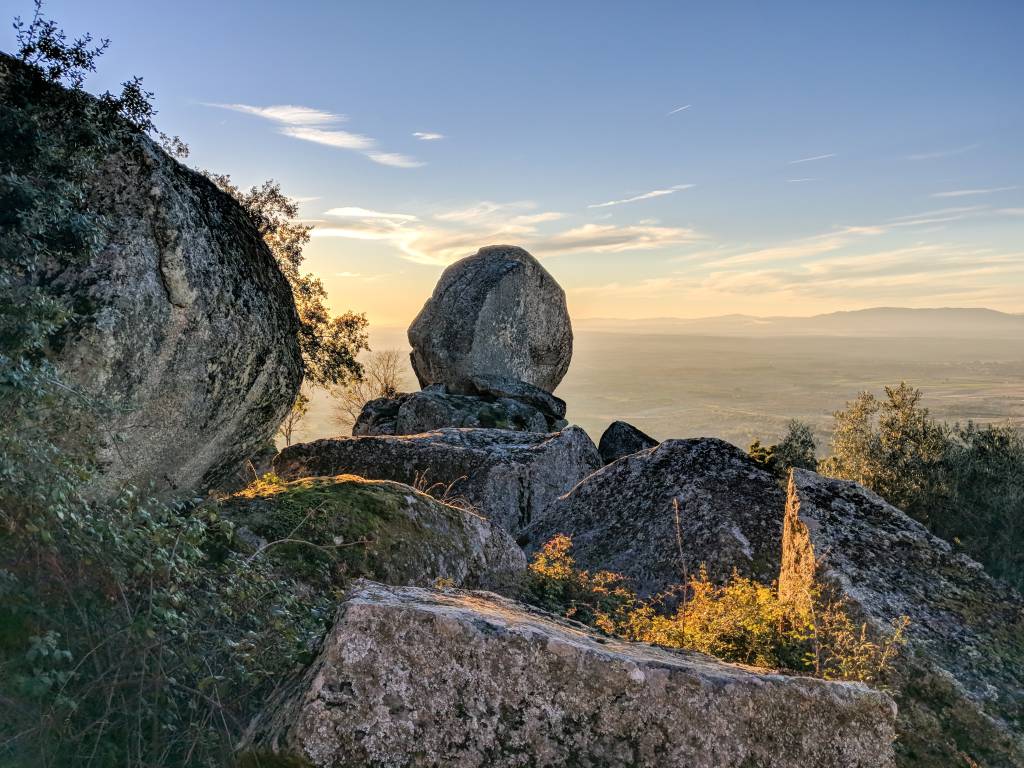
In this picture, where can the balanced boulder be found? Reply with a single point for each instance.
(509, 477)
(622, 439)
(496, 313)
(416, 677)
(327, 530)
(660, 514)
(960, 687)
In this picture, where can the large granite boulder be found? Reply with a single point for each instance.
(415, 677)
(622, 439)
(187, 338)
(623, 517)
(509, 477)
(434, 408)
(960, 689)
(331, 529)
(496, 313)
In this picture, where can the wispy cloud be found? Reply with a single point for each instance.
(971, 192)
(943, 153)
(812, 158)
(285, 113)
(330, 138)
(428, 136)
(314, 125)
(394, 159)
(799, 181)
(645, 196)
(355, 212)
(679, 109)
(450, 235)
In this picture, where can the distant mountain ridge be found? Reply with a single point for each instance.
(942, 322)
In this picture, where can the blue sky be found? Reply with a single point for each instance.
(829, 156)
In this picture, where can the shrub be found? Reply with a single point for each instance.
(741, 621)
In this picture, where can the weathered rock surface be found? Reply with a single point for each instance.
(188, 337)
(622, 439)
(503, 387)
(496, 313)
(332, 529)
(622, 518)
(961, 688)
(417, 412)
(415, 677)
(508, 477)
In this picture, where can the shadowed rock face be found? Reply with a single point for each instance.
(622, 439)
(622, 518)
(508, 477)
(961, 688)
(192, 336)
(496, 313)
(423, 677)
(386, 531)
(417, 412)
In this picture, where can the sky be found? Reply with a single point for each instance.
(662, 159)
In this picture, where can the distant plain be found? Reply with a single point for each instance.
(739, 388)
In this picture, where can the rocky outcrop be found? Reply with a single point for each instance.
(434, 408)
(186, 340)
(960, 688)
(623, 517)
(496, 313)
(424, 677)
(331, 529)
(508, 477)
(622, 439)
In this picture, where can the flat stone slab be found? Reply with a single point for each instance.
(418, 677)
(508, 477)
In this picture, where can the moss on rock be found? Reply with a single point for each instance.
(326, 530)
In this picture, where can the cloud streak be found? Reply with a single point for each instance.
(315, 125)
(645, 196)
(428, 136)
(677, 110)
(812, 158)
(943, 153)
(971, 192)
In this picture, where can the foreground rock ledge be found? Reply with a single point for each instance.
(417, 677)
(960, 688)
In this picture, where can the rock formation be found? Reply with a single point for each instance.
(434, 408)
(425, 677)
(622, 439)
(623, 517)
(509, 477)
(349, 527)
(496, 313)
(188, 334)
(961, 688)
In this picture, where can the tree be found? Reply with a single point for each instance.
(330, 345)
(893, 447)
(795, 450)
(296, 414)
(383, 376)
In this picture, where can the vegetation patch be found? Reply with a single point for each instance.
(742, 621)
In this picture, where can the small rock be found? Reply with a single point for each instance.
(504, 387)
(417, 412)
(622, 439)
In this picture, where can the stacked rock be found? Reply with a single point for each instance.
(488, 347)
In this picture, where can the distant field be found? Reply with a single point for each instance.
(743, 388)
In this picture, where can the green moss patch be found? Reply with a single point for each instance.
(326, 530)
